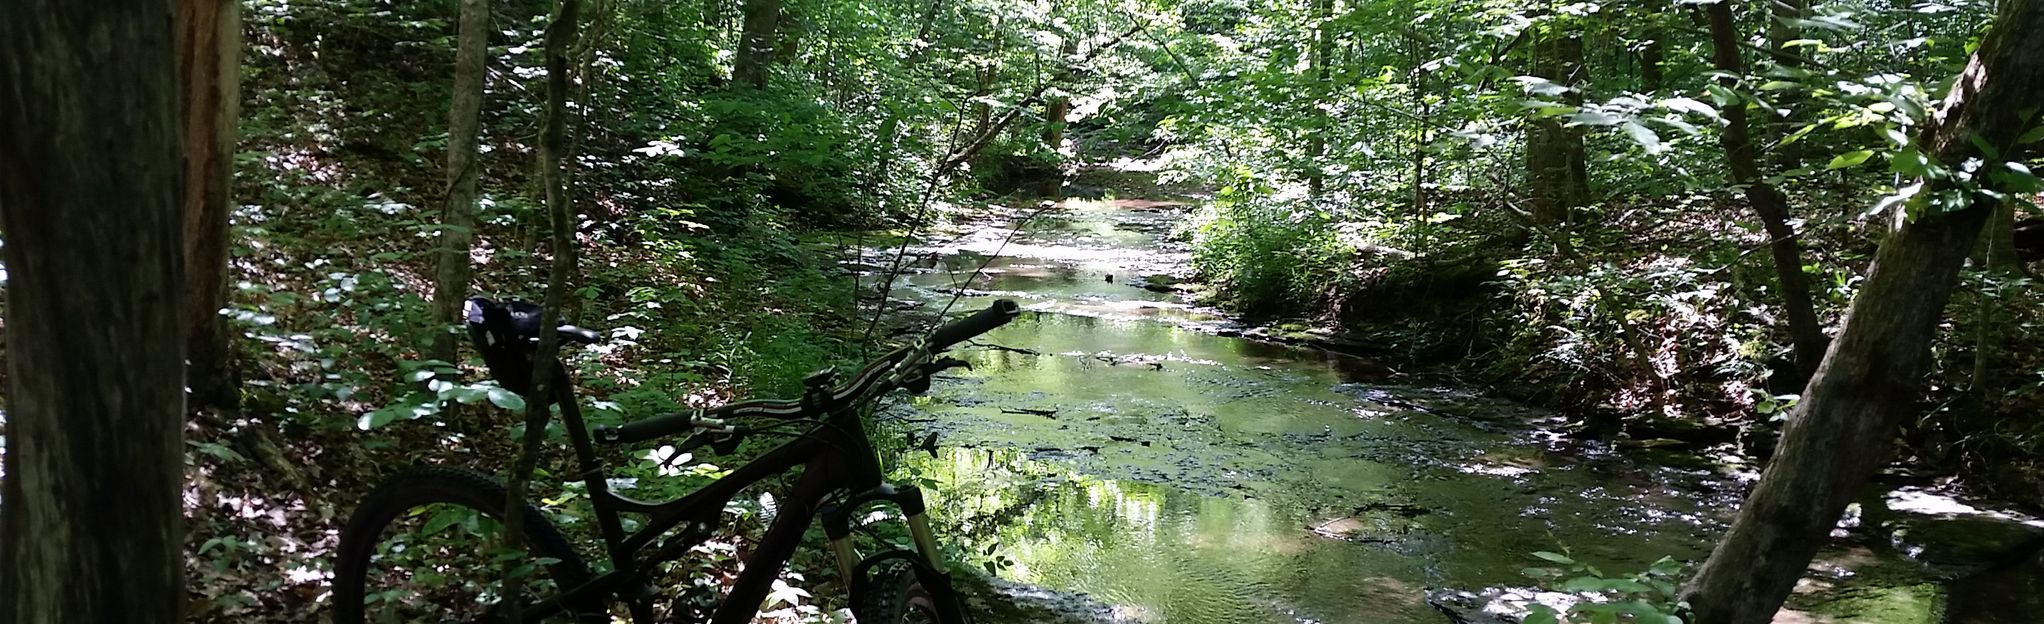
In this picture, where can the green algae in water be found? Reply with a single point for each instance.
(1921, 603)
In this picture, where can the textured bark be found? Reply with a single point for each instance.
(209, 70)
(560, 36)
(756, 43)
(458, 214)
(1054, 116)
(90, 198)
(1871, 379)
(1555, 163)
(1805, 331)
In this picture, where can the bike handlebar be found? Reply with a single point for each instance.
(888, 370)
(961, 330)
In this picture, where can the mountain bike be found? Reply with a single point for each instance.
(387, 550)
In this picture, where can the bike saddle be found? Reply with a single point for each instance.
(515, 321)
(505, 332)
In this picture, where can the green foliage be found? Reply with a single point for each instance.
(443, 386)
(1268, 251)
(1650, 596)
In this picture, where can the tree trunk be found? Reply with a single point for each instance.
(1736, 139)
(458, 215)
(209, 69)
(1780, 31)
(560, 35)
(1422, 124)
(1318, 68)
(756, 43)
(1651, 54)
(1059, 108)
(1871, 379)
(789, 45)
(1555, 161)
(91, 526)
(1054, 116)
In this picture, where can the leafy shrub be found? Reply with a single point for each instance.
(1273, 256)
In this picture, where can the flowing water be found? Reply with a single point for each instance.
(1113, 442)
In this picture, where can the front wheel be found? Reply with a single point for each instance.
(898, 595)
(419, 549)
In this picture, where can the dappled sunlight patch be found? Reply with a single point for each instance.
(1496, 470)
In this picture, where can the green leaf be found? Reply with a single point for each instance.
(445, 518)
(1594, 118)
(1909, 162)
(466, 395)
(1723, 96)
(1986, 149)
(1542, 614)
(1850, 159)
(1644, 137)
(1689, 105)
(381, 417)
(1555, 557)
(506, 399)
(1895, 137)
(2034, 135)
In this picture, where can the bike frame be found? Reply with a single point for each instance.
(836, 459)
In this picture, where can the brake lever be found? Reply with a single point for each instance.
(921, 383)
(725, 444)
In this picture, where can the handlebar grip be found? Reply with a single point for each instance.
(981, 322)
(643, 430)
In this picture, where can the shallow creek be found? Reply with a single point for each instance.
(1116, 442)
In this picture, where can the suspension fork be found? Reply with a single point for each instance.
(837, 525)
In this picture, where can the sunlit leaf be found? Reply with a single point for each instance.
(1554, 557)
(1644, 137)
(506, 399)
(1850, 159)
(1689, 105)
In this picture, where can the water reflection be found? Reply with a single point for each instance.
(1163, 554)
